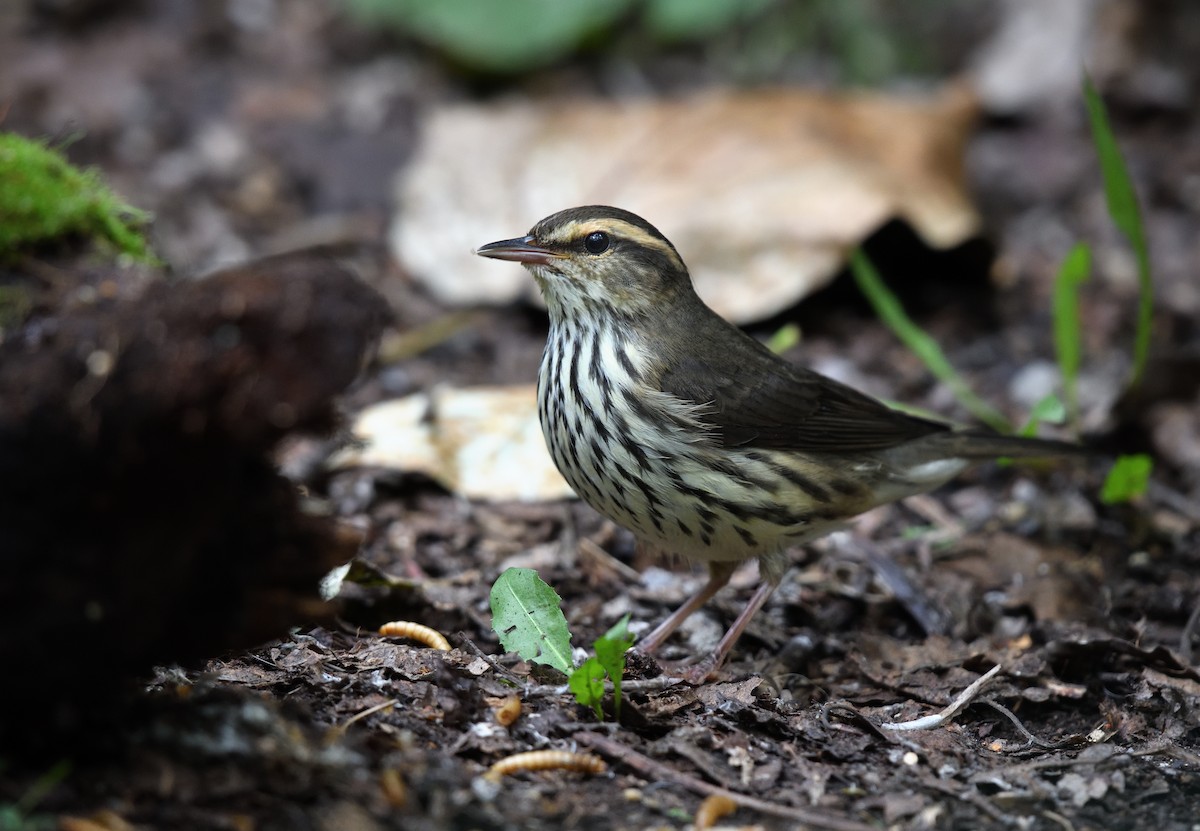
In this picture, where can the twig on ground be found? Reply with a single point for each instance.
(662, 682)
(1059, 818)
(944, 717)
(1031, 740)
(340, 729)
(931, 620)
(1168, 747)
(591, 549)
(948, 526)
(970, 795)
(471, 647)
(656, 771)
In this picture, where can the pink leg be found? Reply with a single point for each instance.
(698, 673)
(719, 574)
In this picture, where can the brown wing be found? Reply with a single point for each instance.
(760, 400)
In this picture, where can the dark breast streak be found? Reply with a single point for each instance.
(650, 467)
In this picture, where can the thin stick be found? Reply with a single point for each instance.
(927, 722)
(1033, 741)
(345, 725)
(655, 771)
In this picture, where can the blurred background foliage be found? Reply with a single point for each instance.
(854, 41)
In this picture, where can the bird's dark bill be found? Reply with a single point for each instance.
(519, 250)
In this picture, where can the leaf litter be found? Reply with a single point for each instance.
(1092, 721)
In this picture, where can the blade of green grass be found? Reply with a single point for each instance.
(888, 307)
(1126, 215)
(1072, 274)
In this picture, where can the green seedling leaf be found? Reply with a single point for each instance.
(610, 652)
(527, 619)
(587, 682)
(785, 338)
(1068, 339)
(1049, 410)
(1128, 479)
(892, 313)
(1126, 215)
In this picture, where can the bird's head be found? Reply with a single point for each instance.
(596, 260)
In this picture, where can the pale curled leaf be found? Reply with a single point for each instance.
(762, 192)
(482, 443)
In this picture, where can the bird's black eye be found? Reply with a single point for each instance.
(596, 242)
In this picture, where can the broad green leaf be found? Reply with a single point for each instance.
(527, 619)
(1068, 339)
(1128, 479)
(888, 307)
(1126, 215)
(497, 35)
(587, 682)
(610, 652)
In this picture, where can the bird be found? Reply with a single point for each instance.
(685, 430)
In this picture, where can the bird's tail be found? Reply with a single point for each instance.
(979, 444)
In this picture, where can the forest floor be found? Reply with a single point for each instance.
(1088, 609)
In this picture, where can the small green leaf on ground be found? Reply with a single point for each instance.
(888, 307)
(527, 619)
(587, 683)
(610, 651)
(1068, 339)
(1126, 215)
(1128, 479)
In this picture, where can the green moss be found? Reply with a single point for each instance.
(43, 197)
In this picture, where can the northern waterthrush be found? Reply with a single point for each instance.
(683, 429)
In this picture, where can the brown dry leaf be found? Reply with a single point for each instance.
(762, 192)
(1055, 582)
(482, 443)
